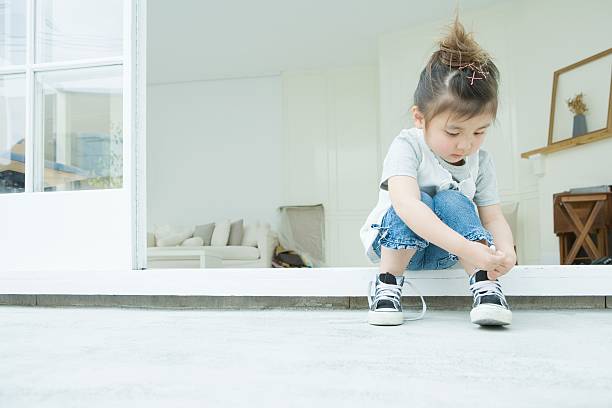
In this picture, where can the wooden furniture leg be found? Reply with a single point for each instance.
(562, 248)
(582, 231)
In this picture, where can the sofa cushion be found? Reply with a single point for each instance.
(234, 252)
(236, 232)
(205, 232)
(221, 233)
(193, 242)
(249, 238)
(150, 239)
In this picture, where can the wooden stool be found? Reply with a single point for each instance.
(582, 217)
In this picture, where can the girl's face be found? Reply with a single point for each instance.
(452, 139)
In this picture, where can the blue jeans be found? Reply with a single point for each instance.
(454, 209)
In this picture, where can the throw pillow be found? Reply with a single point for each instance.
(205, 232)
(168, 235)
(249, 238)
(193, 242)
(150, 239)
(220, 234)
(236, 232)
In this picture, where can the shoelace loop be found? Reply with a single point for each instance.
(387, 291)
(487, 287)
(393, 293)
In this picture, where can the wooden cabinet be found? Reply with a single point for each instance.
(583, 223)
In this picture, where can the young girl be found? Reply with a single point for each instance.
(438, 200)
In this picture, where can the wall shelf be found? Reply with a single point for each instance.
(566, 144)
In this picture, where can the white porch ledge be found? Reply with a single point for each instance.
(543, 280)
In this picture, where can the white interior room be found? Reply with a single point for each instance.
(249, 110)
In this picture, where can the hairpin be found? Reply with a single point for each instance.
(474, 70)
(472, 66)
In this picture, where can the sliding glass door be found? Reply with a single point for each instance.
(68, 134)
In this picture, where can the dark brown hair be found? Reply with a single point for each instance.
(445, 84)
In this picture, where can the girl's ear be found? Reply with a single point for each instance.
(418, 117)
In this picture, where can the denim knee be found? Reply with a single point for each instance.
(460, 213)
(453, 205)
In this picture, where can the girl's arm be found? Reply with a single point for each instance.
(493, 220)
(406, 200)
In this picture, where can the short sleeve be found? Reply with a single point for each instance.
(402, 159)
(486, 182)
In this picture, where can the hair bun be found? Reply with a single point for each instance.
(459, 48)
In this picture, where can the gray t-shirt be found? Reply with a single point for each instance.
(405, 155)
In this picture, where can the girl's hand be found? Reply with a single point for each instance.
(482, 257)
(507, 264)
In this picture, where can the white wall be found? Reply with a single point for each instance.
(66, 231)
(242, 147)
(214, 151)
(572, 32)
(529, 42)
(330, 138)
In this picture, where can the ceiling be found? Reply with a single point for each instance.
(230, 39)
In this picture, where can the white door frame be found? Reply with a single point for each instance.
(136, 60)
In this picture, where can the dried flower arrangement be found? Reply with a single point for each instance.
(577, 105)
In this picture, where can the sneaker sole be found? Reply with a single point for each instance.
(381, 318)
(491, 315)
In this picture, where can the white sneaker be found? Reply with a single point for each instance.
(490, 307)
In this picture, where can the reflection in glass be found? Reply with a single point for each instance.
(82, 122)
(12, 134)
(12, 32)
(78, 29)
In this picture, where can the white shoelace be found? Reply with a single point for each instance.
(394, 294)
(487, 287)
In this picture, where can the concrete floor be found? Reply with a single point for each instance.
(69, 357)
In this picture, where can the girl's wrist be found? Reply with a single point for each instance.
(463, 248)
(508, 250)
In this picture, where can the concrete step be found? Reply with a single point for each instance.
(290, 302)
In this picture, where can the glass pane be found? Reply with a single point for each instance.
(12, 32)
(12, 134)
(78, 29)
(81, 119)
(581, 104)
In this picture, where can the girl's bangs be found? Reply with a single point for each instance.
(462, 109)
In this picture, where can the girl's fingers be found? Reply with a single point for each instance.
(497, 272)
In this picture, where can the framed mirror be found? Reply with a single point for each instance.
(581, 98)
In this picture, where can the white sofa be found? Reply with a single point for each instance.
(233, 256)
